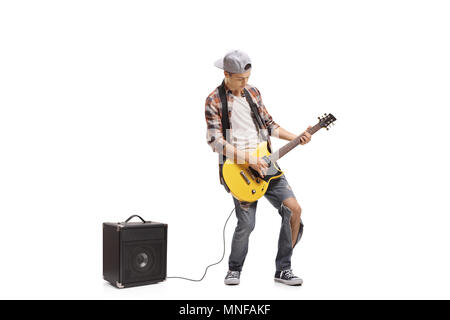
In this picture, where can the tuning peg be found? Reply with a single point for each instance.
(327, 128)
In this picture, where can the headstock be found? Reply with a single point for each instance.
(326, 120)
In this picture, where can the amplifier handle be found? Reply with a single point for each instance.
(135, 215)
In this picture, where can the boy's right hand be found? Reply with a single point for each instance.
(259, 165)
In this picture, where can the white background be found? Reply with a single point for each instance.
(102, 117)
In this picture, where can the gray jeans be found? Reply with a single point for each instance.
(278, 191)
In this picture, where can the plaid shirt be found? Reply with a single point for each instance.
(213, 115)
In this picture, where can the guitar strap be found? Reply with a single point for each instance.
(225, 127)
(254, 109)
(225, 119)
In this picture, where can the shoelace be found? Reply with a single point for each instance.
(233, 274)
(289, 274)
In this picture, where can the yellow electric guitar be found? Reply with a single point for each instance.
(244, 182)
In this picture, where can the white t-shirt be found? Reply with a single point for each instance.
(244, 134)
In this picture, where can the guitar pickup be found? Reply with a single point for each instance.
(255, 174)
(245, 177)
(251, 175)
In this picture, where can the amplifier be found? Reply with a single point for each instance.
(134, 253)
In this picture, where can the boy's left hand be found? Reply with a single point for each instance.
(306, 136)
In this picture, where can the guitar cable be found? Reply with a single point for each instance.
(206, 270)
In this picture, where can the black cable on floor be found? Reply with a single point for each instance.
(223, 255)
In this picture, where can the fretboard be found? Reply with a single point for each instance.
(292, 144)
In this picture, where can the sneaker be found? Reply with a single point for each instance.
(288, 277)
(232, 277)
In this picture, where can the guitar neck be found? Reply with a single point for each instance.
(292, 144)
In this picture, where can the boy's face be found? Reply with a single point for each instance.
(237, 81)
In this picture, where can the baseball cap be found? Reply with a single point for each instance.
(235, 61)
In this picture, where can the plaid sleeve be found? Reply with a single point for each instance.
(214, 136)
(265, 116)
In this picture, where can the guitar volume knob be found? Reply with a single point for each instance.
(253, 191)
